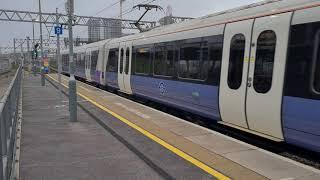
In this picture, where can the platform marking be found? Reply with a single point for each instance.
(168, 146)
(85, 88)
(134, 111)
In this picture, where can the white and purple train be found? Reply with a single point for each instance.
(254, 68)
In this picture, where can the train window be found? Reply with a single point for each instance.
(235, 70)
(127, 60)
(113, 60)
(121, 60)
(213, 65)
(316, 79)
(263, 71)
(142, 60)
(65, 62)
(133, 60)
(189, 62)
(164, 60)
(94, 59)
(205, 62)
(299, 61)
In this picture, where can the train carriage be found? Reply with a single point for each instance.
(254, 68)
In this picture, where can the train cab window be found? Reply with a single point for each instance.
(164, 60)
(127, 60)
(94, 59)
(112, 65)
(121, 60)
(265, 54)
(235, 70)
(316, 79)
(142, 60)
(189, 62)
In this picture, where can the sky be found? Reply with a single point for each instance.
(103, 8)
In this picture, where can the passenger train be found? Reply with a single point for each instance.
(255, 68)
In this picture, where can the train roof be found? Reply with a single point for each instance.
(243, 12)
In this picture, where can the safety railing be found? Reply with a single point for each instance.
(4, 65)
(9, 107)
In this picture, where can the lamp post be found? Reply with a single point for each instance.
(33, 58)
(58, 54)
(72, 80)
(41, 47)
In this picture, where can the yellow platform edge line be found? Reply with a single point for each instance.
(168, 146)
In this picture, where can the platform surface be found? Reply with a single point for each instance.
(229, 156)
(52, 148)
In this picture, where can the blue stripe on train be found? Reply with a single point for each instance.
(196, 98)
(112, 79)
(301, 118)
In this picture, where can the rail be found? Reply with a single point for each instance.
(9, 114)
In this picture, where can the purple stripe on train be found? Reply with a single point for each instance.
(301, 122)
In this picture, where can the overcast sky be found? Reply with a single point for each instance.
(189, 8)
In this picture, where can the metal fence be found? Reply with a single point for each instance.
(9, 107)
(4, 65)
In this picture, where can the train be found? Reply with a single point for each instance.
(255, 68)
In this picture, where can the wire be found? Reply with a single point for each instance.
(125, 12)
(130, 10)
(110, 6)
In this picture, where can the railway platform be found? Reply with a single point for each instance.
(116, 138)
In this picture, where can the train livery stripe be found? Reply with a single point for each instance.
(168, 146)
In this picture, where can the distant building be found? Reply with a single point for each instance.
(170, 19)
(106, 29)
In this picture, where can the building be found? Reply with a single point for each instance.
(106, 29)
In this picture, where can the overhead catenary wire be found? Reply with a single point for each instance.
(125, 12)
(107, 7)
(130, 10)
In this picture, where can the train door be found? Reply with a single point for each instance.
(88, 65)
(127, 68)
(266, 75)
(259, 107)
(234, 70)
(124, 70)
(103, 78)
(121, 67)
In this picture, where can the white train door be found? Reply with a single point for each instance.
(121, 67)
(88, 65)
(259, 107)
(266, 74)
(127, 68)
(234, 71)
(124, 70)
(101, 65)
(104, 66)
